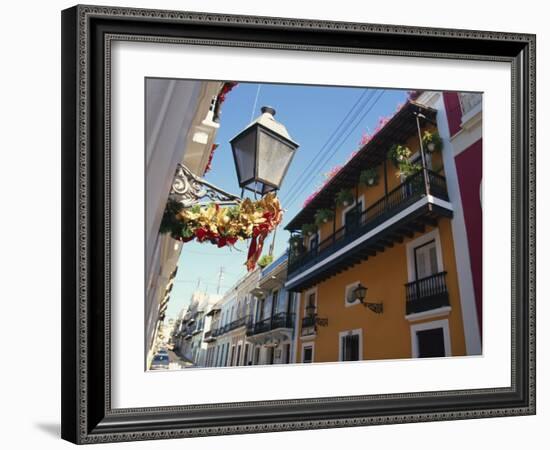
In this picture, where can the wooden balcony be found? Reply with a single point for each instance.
(405, 210)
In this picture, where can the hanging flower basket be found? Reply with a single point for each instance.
(265, 261)
(308, 229)
(369, 177)
(322, 216)
(432, 141)
(399, 153)
(344, 197)
(407, 169)
(295, 241)
(224, 226)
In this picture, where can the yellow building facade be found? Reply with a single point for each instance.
(395, 239)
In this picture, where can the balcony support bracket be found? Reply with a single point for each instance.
(190, 190)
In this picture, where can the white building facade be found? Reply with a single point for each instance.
(228, 345)
(175, 133)
(273, 332)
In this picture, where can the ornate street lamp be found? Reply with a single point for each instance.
(310, 310)
(311, 314)
(263, 152)
(360, 293)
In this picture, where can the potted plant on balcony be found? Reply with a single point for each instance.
(399, 153)
(408, 169)
(308, 229)
(295, 241)
(432, 141)
(323, 215)
(369, 177)
(344, 197)
(265, 261)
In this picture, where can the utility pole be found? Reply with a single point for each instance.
(272, 246)
(220, 278)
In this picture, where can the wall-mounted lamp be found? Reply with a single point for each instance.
(360, 293)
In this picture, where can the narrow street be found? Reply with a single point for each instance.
(178, 362)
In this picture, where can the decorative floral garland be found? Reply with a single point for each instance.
(210, 157)
(226, 89)
(223, 226)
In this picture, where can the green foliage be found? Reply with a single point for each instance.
(295, 241)
(344, 197)
(265, 261)
(399, 153)
(308, 229)
(323, 216)
(432, 141)
(369, 177)
(407, 168)
(170, 223)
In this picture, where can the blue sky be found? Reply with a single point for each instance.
(311, 114)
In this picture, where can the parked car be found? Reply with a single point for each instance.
(160, 361)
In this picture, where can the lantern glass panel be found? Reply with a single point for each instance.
(244, 149)
(274, 156)
(360, 292)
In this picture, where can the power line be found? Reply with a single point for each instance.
(220, 278)
(321, 156)
(255, 102)
(315, 156)
(336, 148)
(192, 252)
(202, 282)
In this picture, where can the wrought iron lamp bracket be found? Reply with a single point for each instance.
(377, 308)
(191, 190)
(321, 321)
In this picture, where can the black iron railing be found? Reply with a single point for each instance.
(438, 185)
(309, 325)
(394, 202)
(240, 322)
(279, 320)
(427, 293)
(210, 336)
(191, 328)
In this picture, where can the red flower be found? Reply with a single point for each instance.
(210, 157)
(222, 242)
(201, 234)
(231, 240)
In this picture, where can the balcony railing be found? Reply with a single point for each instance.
(397, 200)
(427, 293)
(240, 322)
(279, 320)
(469, 101)
(190, 329)
(309, 325)
(210, 336)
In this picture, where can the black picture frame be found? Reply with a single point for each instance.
(87, 416)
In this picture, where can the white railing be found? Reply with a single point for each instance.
(469, 101)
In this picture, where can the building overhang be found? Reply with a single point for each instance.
(398, 129)
(272, 337)
(343, 255)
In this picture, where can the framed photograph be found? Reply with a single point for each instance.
(284, 224)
